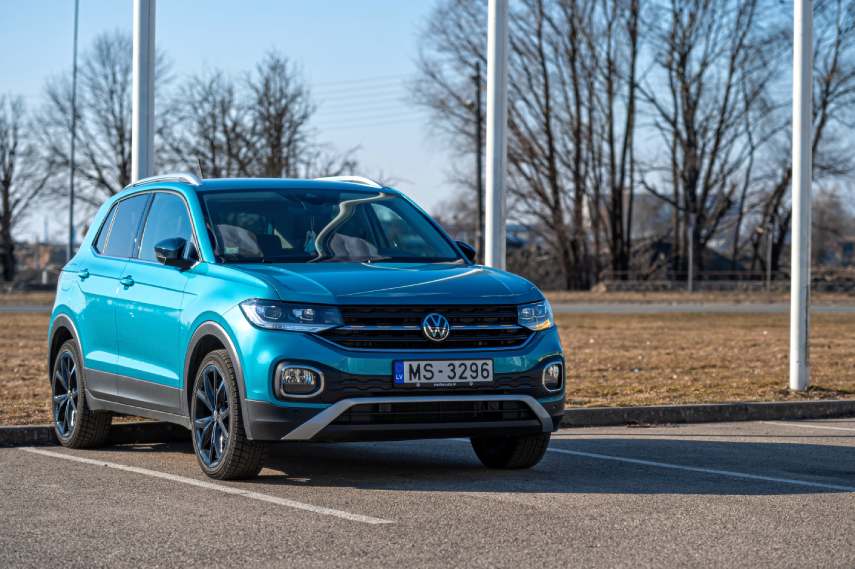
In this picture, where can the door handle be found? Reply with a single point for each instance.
(127, 281)
(83, 274)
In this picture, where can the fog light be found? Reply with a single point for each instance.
(298, 381)
(553, 377)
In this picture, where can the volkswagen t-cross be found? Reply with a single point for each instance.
(259, 310)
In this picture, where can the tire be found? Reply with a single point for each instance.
(75, 425)
(219, 439)
(511, 452)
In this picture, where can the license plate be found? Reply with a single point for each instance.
(443, 372)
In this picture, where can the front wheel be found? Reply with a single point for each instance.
(222, 448)
(511, 452)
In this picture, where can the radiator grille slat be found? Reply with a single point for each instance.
(399, 327)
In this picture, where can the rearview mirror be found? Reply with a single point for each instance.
(170, 252)
(468, 250)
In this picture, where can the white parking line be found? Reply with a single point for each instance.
(217, 487)
(728, 473)
(805, 426)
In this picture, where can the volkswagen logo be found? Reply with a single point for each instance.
(436, 327)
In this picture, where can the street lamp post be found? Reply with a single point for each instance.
(801, 197)
(496, 148)
(71, 153)
(142, 104)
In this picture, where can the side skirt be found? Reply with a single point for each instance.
(97, 404)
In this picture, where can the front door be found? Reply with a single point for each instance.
(148, 313)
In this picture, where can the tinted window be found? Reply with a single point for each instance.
(166, 219)
(105, 230)
(123, 235)
(296, 225)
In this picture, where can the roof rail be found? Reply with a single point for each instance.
(191, 179)
(352, 179)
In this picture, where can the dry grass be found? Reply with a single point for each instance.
(680, 297)
(24, 389)
(700, 358)
(613, 360)
(28, 298)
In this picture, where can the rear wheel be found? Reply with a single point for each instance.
(222, 448)
(75, 425)
(511, 452)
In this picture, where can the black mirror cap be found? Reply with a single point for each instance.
(170, 252)
(468, 250)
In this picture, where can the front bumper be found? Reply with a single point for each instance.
(355, 380)
(418, 415)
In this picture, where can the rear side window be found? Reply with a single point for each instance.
(122, 238)
(104, 232)
(166, 219)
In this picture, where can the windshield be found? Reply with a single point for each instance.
(292, 225)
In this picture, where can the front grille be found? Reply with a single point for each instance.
(435, 413)
(400, 327)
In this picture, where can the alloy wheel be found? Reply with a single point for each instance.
(211, 416)
(65, 394)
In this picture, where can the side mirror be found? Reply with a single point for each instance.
(170, 252)
(468, 250)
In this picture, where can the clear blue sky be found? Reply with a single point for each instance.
(356, 55)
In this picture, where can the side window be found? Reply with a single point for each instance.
(104, 232)
(122, 239)
(166, 219)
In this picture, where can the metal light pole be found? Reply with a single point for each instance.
(496, 149)
(479, 162)
(770, 234)
(69, 251)
(142, 105)
(690, 276)
(801, 198)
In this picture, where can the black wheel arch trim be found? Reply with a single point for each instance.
(213, 329)
(63, 321)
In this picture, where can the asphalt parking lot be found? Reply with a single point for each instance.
(716, 495)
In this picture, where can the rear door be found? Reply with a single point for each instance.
(99, 274)
(148, 314)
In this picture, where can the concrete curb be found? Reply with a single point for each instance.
(157, 432)
(707, 413)
(122, 433)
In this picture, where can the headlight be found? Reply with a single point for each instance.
(276, 315)
(535, 316)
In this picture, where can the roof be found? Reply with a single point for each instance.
(190, 181)
(210, 184)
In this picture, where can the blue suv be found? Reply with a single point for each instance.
(259, 310)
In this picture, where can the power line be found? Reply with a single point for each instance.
(370, 117)
(375, 79)
(402, 122)
(361, 94)
(355, 103)
(390, 106)
(357, 88)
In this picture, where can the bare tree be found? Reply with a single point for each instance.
(572, 117)
(260, 126)
(280, 109)
(21, 180)
(209, 128)
(103, 161)
(714, 68)
(833, 119)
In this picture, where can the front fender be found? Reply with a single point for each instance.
(207, 326)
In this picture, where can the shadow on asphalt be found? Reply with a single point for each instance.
(451, 466)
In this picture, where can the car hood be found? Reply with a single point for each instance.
(393, 283)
